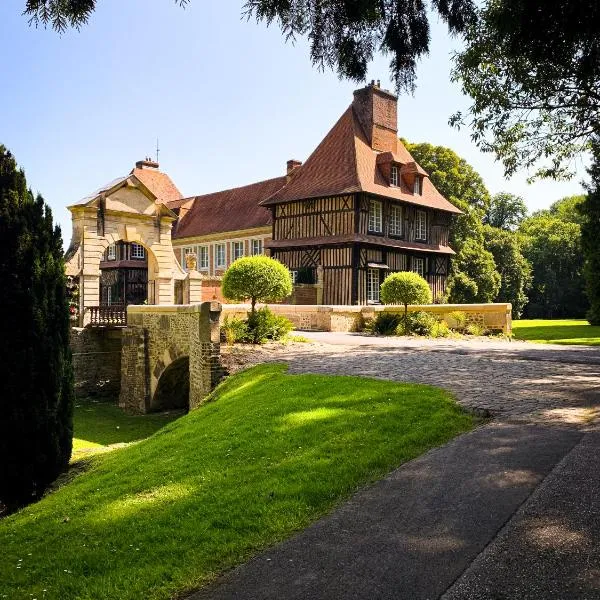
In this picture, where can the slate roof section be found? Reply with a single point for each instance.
(159, 183)
(344, 162)
(230, 210)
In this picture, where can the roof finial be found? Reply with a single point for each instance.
(157, 149)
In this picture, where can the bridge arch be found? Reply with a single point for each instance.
(173, 386)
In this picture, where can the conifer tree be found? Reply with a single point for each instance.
(590, 227)
(36, 389)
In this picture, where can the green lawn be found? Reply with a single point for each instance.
(557, 331)
(99, 424)
(271, 453)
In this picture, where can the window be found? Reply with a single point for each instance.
(186, 251)
(421, 225)
(373, 286)
(257, 247)
(220, 261)
(137, 251)
(395, 220)
(418, 266)
(375, 211)
(111, 254)
(294, 276)
(202, 258)
(394, 176)
(418, 186)
(237, 250)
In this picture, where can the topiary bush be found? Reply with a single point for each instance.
(258, 279)
(405, 288)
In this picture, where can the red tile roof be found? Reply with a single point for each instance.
(229, 210)
(344, 162)
(363, 239)
(160, 184)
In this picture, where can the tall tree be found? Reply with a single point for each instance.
(514, 269)
(566, 209)
(506, 211)
(36, 389)
(590, 210)
(553, 247)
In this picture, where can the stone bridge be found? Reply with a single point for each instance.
(169, 356)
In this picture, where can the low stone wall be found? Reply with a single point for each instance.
(96, 361)
(496, 317)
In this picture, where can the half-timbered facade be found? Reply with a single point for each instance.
(361, 208)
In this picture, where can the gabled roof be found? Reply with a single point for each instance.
(230, 210)
(344, 162)
(159, 183)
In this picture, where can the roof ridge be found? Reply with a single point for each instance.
(355, 122)
(239, 187)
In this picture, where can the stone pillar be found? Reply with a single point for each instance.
(193, 288)
(135, 375)
(164, 290)
(319, 285)
(205, 367)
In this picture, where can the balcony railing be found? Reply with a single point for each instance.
(114, 315)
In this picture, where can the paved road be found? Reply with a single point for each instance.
(510, 510)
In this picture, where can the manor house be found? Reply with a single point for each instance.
(359, 208)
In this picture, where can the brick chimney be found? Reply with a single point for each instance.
(147, 163)
(292, 165)
(377, 112)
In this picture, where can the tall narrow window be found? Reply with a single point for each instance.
(237, 250)
(137, 251)
(394, 176)
(202, 258)
(418, 266)
(375, 212)
(421, 225)
(373, 286)
(186, 251)
(220, 261)
(418, 186)
(112, 252)
(395, 220)
(257, 247)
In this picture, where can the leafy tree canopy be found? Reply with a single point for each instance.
(405, 288)
(506, 211)
(566, 209)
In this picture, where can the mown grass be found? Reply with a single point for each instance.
(557, 331)
(271, 453)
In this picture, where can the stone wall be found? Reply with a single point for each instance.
(496, 317)
(96, 361)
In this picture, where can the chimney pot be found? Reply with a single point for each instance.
(147, 163)
(292, 165)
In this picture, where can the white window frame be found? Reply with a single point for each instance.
(395, 227)
(372, 289)
(202, 258)
(185, 251)
(294, 276)
(419, 265)
(375, 216)
(135, 251)
(111, 253)
(394, 176)
(220, 265)
(254, 244)
(421, 225)
(235, 246)
(418, 186)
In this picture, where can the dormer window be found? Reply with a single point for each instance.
(418, 186)
(394, 176)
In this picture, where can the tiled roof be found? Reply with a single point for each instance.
(364, 239)
(344, 162)
(229, 210)
(160, 184)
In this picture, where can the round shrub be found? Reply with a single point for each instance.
(258, 279)
(405, 288)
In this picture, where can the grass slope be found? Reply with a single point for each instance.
(269, 455)
(557, 331)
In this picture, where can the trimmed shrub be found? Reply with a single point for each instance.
(258, 279)
(405, 288)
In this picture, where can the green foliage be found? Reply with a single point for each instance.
(263, 325)
(405, 288)
(385, 323)
(533, 76)
(506, 211)
(417, 323)
(474, 277)
(553, 248)
(566, 331)
(514, 269)
(458, 319)
(440, 329)
(270, 454)
(475, 329)
(36, 388)
(590, 243)
(258, 279)
(234, 329)
(566, 209)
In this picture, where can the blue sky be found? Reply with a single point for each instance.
(229, 100)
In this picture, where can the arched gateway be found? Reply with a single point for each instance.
(165, 349)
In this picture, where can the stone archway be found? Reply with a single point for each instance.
(173, 386)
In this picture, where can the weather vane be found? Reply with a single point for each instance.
(157, 149)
